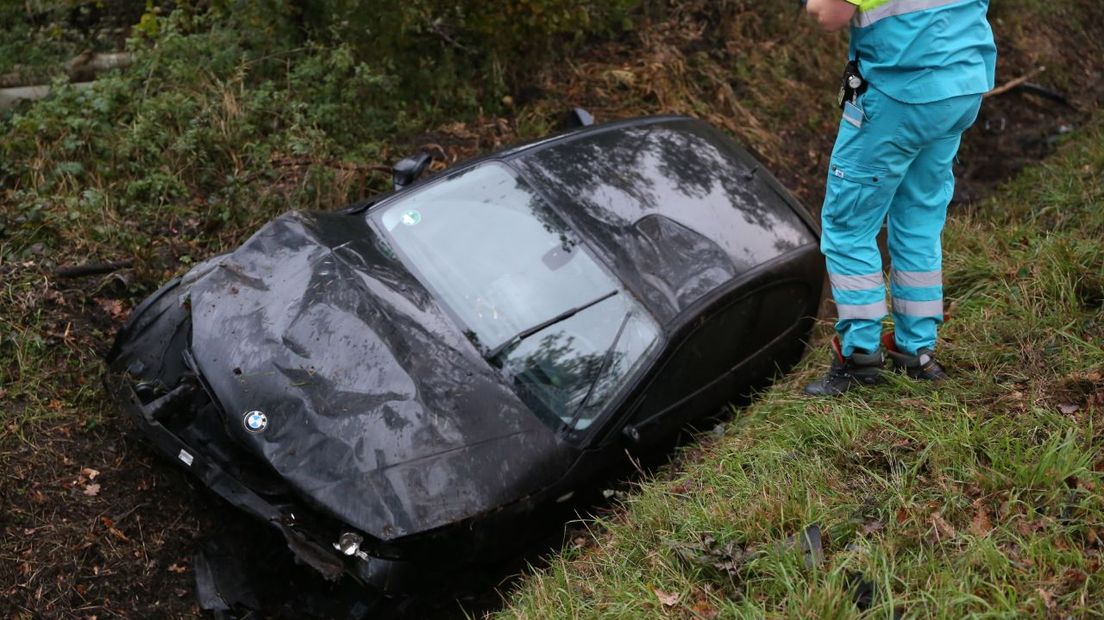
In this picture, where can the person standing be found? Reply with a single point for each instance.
(915, 82)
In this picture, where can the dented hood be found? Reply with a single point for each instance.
(378, 409)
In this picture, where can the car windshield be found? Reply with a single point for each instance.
(502, 262)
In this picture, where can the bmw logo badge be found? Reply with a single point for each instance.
(255, 421)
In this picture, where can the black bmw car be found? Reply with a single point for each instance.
(414, 376)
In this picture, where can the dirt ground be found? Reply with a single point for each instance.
(95, 526)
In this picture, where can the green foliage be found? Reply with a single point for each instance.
(22, 45)
(437, 48)
(198, 120)
(246, 108)
(38, 36)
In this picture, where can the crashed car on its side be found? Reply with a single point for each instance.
(409, 379)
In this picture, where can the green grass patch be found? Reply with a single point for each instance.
(980, 497)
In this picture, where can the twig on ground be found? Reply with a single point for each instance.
(91, 269)
(1000, 90)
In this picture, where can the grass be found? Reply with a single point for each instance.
(981, 497)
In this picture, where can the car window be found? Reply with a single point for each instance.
(676, 206)
(502, 262)
(555, 368)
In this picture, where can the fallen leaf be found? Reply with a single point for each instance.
(114, 531)
(112, 307)
(668, 599)
(1025, 527)
(620, 75)
(1093, 537)
(703, 609)
(1048, 598)
(89, 473)
(1075, 577)
(178, 569)
(872, 527)
(92, 490)
(942, 528)
(980, 526)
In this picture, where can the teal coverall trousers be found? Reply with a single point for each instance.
(894, 162)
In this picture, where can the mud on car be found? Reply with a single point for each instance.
(413, 377)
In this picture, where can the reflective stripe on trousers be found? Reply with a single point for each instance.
(870, 312)
(917, 278)
(922, 309)
(866, 282)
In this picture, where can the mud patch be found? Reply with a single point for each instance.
(1013, 130)
(1079, 395)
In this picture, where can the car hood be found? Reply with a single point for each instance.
(378, 408)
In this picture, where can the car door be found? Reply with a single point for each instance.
(694, 379)
(725, 352)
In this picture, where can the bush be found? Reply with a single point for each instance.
(435, 48)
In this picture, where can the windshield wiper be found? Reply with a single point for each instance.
(606, 358)
(563, 316)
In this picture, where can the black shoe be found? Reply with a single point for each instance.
(846, 372)
(920, 366)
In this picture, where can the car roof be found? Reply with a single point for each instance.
(675, 207)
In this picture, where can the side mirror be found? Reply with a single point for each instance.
(407, 170)
(631, 434)
(578, 117)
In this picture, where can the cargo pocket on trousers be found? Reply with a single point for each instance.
(852, 190)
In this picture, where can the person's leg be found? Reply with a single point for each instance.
(867, 164)
(916, 218)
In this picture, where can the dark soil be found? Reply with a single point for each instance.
(95, 526)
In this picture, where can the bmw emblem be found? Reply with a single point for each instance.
(255, 421)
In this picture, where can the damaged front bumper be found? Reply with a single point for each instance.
(167, 399)
(212, 475)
